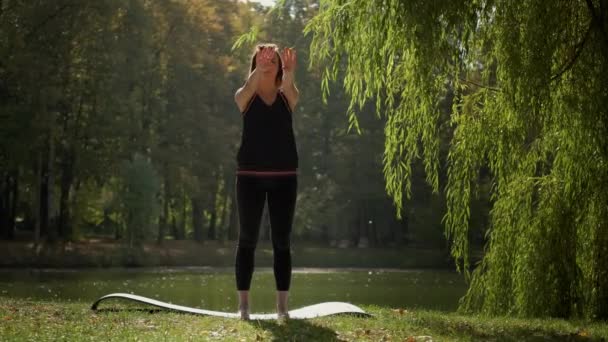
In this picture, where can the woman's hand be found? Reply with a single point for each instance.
(263, 59)
(289, 60)
(289, 88)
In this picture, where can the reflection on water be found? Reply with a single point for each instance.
(215, 289)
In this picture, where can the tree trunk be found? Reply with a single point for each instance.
(162, 226)
(117, 231)
(395, 227)
(4, 205)
(224, 217)
(222, 234)
(37, 199)
(405, 226)
(361, 231)
(174, 231)
(67, 178)
(600, 273)
(197, 218)
(14, 201)
(130, 230)
(327, 130)
(211, 229)
(44, 195)
(50, 196)
(48, 225)
(213, 207)
(373, 234)
(182, 226)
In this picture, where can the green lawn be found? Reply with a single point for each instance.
(46, 321)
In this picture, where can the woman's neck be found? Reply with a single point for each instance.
(267, 86)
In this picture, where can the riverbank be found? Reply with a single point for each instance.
(46, 321)
(109, 253)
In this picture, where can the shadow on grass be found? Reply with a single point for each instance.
(488, 332)
(296, 330)
(291, 330)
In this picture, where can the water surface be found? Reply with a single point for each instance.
(215, 289)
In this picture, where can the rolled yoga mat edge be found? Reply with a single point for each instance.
(311, 311)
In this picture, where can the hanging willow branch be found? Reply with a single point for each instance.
(479, 84)
(543, 142)
(577, 51)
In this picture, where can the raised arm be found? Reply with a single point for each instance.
(244, 93)
(263, 60)
(289, 87)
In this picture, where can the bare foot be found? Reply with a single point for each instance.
(282, 311)
(244, 305)
(244, 314)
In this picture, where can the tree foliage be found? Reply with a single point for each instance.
(139, 185)
(530, 85)
(87, 85)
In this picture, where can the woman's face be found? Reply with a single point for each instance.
(268, 62)
(273, 68)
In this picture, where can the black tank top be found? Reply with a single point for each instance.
(267, 142)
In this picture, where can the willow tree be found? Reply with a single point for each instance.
(530, 85)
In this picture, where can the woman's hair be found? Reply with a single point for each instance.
(274, 47)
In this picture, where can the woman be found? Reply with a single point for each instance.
(267, 168)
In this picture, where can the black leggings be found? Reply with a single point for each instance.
(251, 192)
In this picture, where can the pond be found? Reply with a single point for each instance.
(215, 289)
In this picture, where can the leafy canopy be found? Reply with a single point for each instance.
(529, 81)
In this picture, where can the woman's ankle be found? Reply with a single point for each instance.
(282, 300)
(243, 300)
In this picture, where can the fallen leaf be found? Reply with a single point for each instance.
(400, 311)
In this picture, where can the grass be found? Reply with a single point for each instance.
(109, 253)
(117, 321)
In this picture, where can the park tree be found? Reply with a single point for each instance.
(529, 109)
(85, 86)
